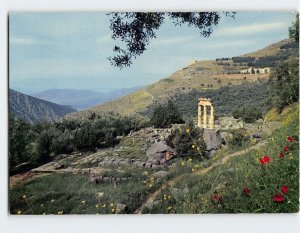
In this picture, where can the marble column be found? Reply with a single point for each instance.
(212, 118)
(204, 117)
(199, 115)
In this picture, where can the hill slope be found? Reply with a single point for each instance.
(32, 109)
(201, 75)
(81, 99)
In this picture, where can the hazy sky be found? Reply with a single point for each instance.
(70, 50)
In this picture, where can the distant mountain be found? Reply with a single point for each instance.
(81, 99)
(200, 76)
(33, 109)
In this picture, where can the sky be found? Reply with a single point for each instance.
(70, 50)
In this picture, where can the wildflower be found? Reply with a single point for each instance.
(198, 148)
(216, 198)
(193, 169)
(284, 189)
(265, 159)
(103, 206)
(24, 196)
(97, 206)
(182, 163)
(278, 198)
(187, 130)
(286, 148)
(246, 191)
(193, 146)
(44, 213)
(150, 185)
(111, 204)
(83, 202)
(190, 159)
(52, 200)
(290, 139)
(60, 212)
(169, 197)
(113, 210)
(42, 205)
(169, 208)
(165, 197)
(19, 212)
(281, 155)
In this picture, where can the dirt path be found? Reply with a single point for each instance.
(172, 181)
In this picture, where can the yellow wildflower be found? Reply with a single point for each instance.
(60, 212)
(187, 130)
(169, 208)
(52, 200)
(104, 205)
(113, 210)
(165, 197)
(198, 148)
(111, 204)
(169, 197)
(42, 205)
(150, 185)
(83, 202)
(24, 196)
(193, 146)
(190, 160)
(182, 163)
(97, 206)
(19, 212)
(193, 169)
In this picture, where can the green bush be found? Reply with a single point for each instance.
(187, 141)
(238, 139)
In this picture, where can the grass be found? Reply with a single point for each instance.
(72, 194)
(229, 180)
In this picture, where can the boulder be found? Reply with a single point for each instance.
(157, 147)
(213, 139)
(160, 174)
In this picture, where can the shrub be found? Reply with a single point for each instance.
(238, 138)
(187, 141)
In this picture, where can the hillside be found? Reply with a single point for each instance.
(33, 109)
(81, 99)
(201, 75)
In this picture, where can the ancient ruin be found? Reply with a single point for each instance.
(204, 103)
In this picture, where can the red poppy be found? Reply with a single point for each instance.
(284, 189)
(290, 139)
(286, 148)
(278, 198)
(281, 155)
(246, 191)
(216, 198)
(265, 159)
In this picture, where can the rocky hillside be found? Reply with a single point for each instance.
(201, 75)
(33, 109)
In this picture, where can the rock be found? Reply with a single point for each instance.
(213, 139)
(120, 208)
(160, 174)
(100, 194)
(106, 179)
(185, 190)
(59, 166)
(156, 148)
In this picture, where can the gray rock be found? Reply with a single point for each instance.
(213, 139)
(156, 148)
(160, 174)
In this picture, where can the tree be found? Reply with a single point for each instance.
(294, 29)
(285, 84)
(164, 116)
(136, 29)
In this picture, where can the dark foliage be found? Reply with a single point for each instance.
(165, 115)
(243, 59)
(225, 99)
(239, 138)
(294, 29)
(136, 29)
(249, 114)
(285, 84)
